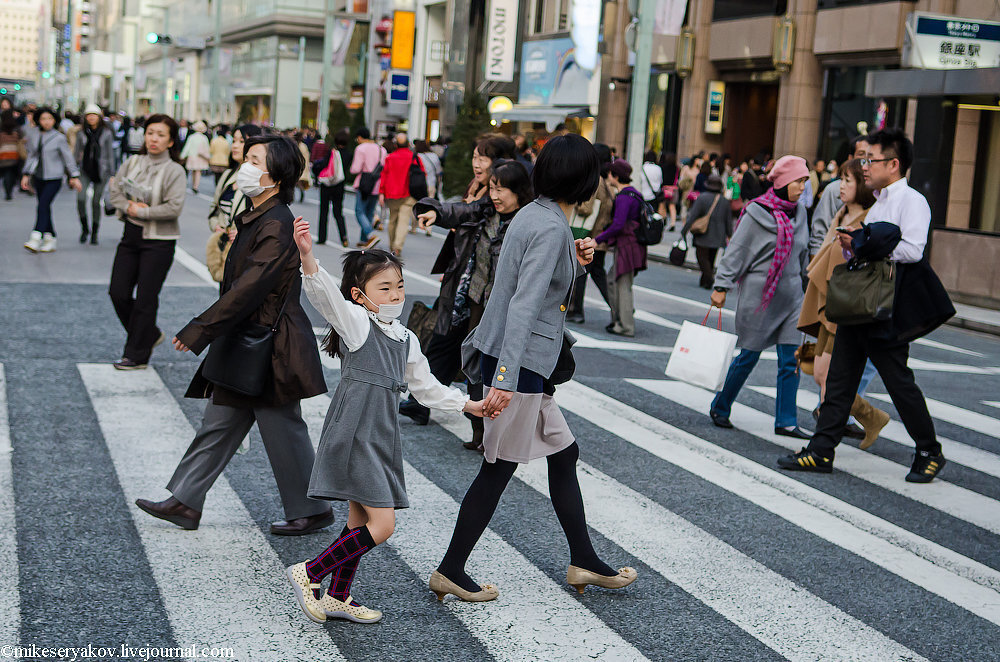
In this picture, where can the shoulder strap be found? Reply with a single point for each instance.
(646, 176)
(274, 326)
(714, 203)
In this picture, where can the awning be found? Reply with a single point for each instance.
(932, 82)
(551, 115)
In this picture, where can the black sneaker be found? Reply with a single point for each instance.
(806, 460)
(925, 467)
(420, 414)
(128, 364)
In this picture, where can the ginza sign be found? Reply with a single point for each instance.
(501, 40)
(949, 42)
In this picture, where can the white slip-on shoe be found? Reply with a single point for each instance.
(334, 608)
(35, 242)
(48, 243)
(299, 580)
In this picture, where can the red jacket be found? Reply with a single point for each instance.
(396, 174)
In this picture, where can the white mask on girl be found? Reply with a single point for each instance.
(387, 312)
(248, 180)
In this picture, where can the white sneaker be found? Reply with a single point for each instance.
(48, 243)
(34, 243)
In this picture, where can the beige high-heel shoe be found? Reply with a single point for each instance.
(579, 578)
(442, 586)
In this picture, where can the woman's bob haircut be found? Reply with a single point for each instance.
(284, 162)
(567, 170)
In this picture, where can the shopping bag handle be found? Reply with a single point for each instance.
(704, 321)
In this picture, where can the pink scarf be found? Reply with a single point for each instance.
(783, 247)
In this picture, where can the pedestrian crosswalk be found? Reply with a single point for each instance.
(767, 591)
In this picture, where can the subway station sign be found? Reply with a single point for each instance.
(950, 42)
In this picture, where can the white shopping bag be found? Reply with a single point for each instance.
(701, 355)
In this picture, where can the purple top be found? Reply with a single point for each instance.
(626, 209)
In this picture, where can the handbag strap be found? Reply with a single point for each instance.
(704, 321)
(274, 326)
(712, 208)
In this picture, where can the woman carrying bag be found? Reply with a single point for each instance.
(857, 198)
(766, 258)
(710, 222)
(148, 192)
(260, 291)
(331, 177)
(227, 203)
(49, 159)
(94, 153)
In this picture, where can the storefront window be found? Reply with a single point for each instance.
(729, 9)
(986, 192)
(833, 4)
(845, 107)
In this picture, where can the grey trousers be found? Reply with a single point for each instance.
(96, 202)
(286, 439)
(621, 300)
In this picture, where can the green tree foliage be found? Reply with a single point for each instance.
(473, 120)
(357, 119)
(339, 117)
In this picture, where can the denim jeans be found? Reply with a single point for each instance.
(785, 413)
(364, 211)
(46, 190)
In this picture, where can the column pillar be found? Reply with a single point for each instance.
(800, 95)
(691, 135)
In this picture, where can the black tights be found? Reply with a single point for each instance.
(481, 501)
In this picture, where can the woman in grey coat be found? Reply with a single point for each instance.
(49, 160)
(522, 340)
(766, 258)
(94, 153)
(720, 227)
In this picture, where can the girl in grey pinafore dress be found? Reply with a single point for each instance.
(360, 458)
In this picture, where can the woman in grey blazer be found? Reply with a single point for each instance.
(521, 337)
(94, 153)
(49, 160)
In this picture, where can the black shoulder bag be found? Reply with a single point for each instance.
(240, 361)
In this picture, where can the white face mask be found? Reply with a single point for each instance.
(387, 312)
(248, 180)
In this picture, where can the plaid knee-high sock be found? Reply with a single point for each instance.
(349, 546)
(343, 576)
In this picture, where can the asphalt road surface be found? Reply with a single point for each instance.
(736, 559)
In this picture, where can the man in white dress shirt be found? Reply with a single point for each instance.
(889, 158)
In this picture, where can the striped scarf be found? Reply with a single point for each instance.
(783, 247)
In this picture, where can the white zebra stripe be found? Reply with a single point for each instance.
(964, 418)
(195, 571)
(775, 611)
(10, 596)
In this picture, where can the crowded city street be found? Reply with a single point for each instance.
(736, 559)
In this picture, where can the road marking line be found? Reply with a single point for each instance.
(196, 571)
(970, 420)
(992, 403)
(955, 451)
(737, 587)
(941, 495)
(584, 340)
(10, 593)
(533, 618)
(193, 265)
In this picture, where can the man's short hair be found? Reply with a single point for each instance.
(363, 133)
(894, 144)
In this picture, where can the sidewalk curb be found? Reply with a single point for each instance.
(957, 321)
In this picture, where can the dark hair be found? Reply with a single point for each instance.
(863, 194)
(894, 144)
(359, 268)
(175, 134)
(605, 157)
(341, 138)
(567, 169)
(364, 133)
(668, 164)
(706, 168)
(248, 131)
(37, 116)
(421, 146)
(496, 146)
(8, 123)
(854, 144)
(284, 162)
(514, 176)
(649, 156)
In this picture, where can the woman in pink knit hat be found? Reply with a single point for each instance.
(766, 260)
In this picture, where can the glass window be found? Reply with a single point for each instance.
(845, 106)
(729, 9)
(985, 214)
(549, 16)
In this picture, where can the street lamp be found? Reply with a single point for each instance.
(783, 53)
(685, 52)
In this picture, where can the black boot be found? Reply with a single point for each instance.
(93, 232)
(84, 231)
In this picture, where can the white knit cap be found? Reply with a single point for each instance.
(93, 109)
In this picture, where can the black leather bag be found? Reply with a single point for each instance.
(240, 361)
(678, 253)
(417, 179)
(861, 292)
(368, 181)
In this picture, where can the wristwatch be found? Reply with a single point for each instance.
(722, 289)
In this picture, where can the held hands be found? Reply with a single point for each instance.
(427, 219)
(718, 299)
(179, 346)
(476, 408)
(585, 250)
(845, 241)
(496, 401)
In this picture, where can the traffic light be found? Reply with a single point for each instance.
(3, 90)
(157, 38)
(17, 87)
(46, 74)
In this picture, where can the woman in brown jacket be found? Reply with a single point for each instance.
(856, 197)
(261, 284)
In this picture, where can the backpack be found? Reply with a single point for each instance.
(418, 179)
(650, 230)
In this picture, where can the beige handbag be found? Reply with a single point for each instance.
(700, 225)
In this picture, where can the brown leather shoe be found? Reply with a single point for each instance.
(302, 525)
(173, 511)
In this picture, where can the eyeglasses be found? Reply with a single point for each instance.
(867, 162)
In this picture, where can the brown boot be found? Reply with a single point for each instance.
(871, 419)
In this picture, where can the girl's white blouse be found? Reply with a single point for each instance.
(353, 323)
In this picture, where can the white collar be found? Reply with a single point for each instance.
(900, 183)
(393, 329)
